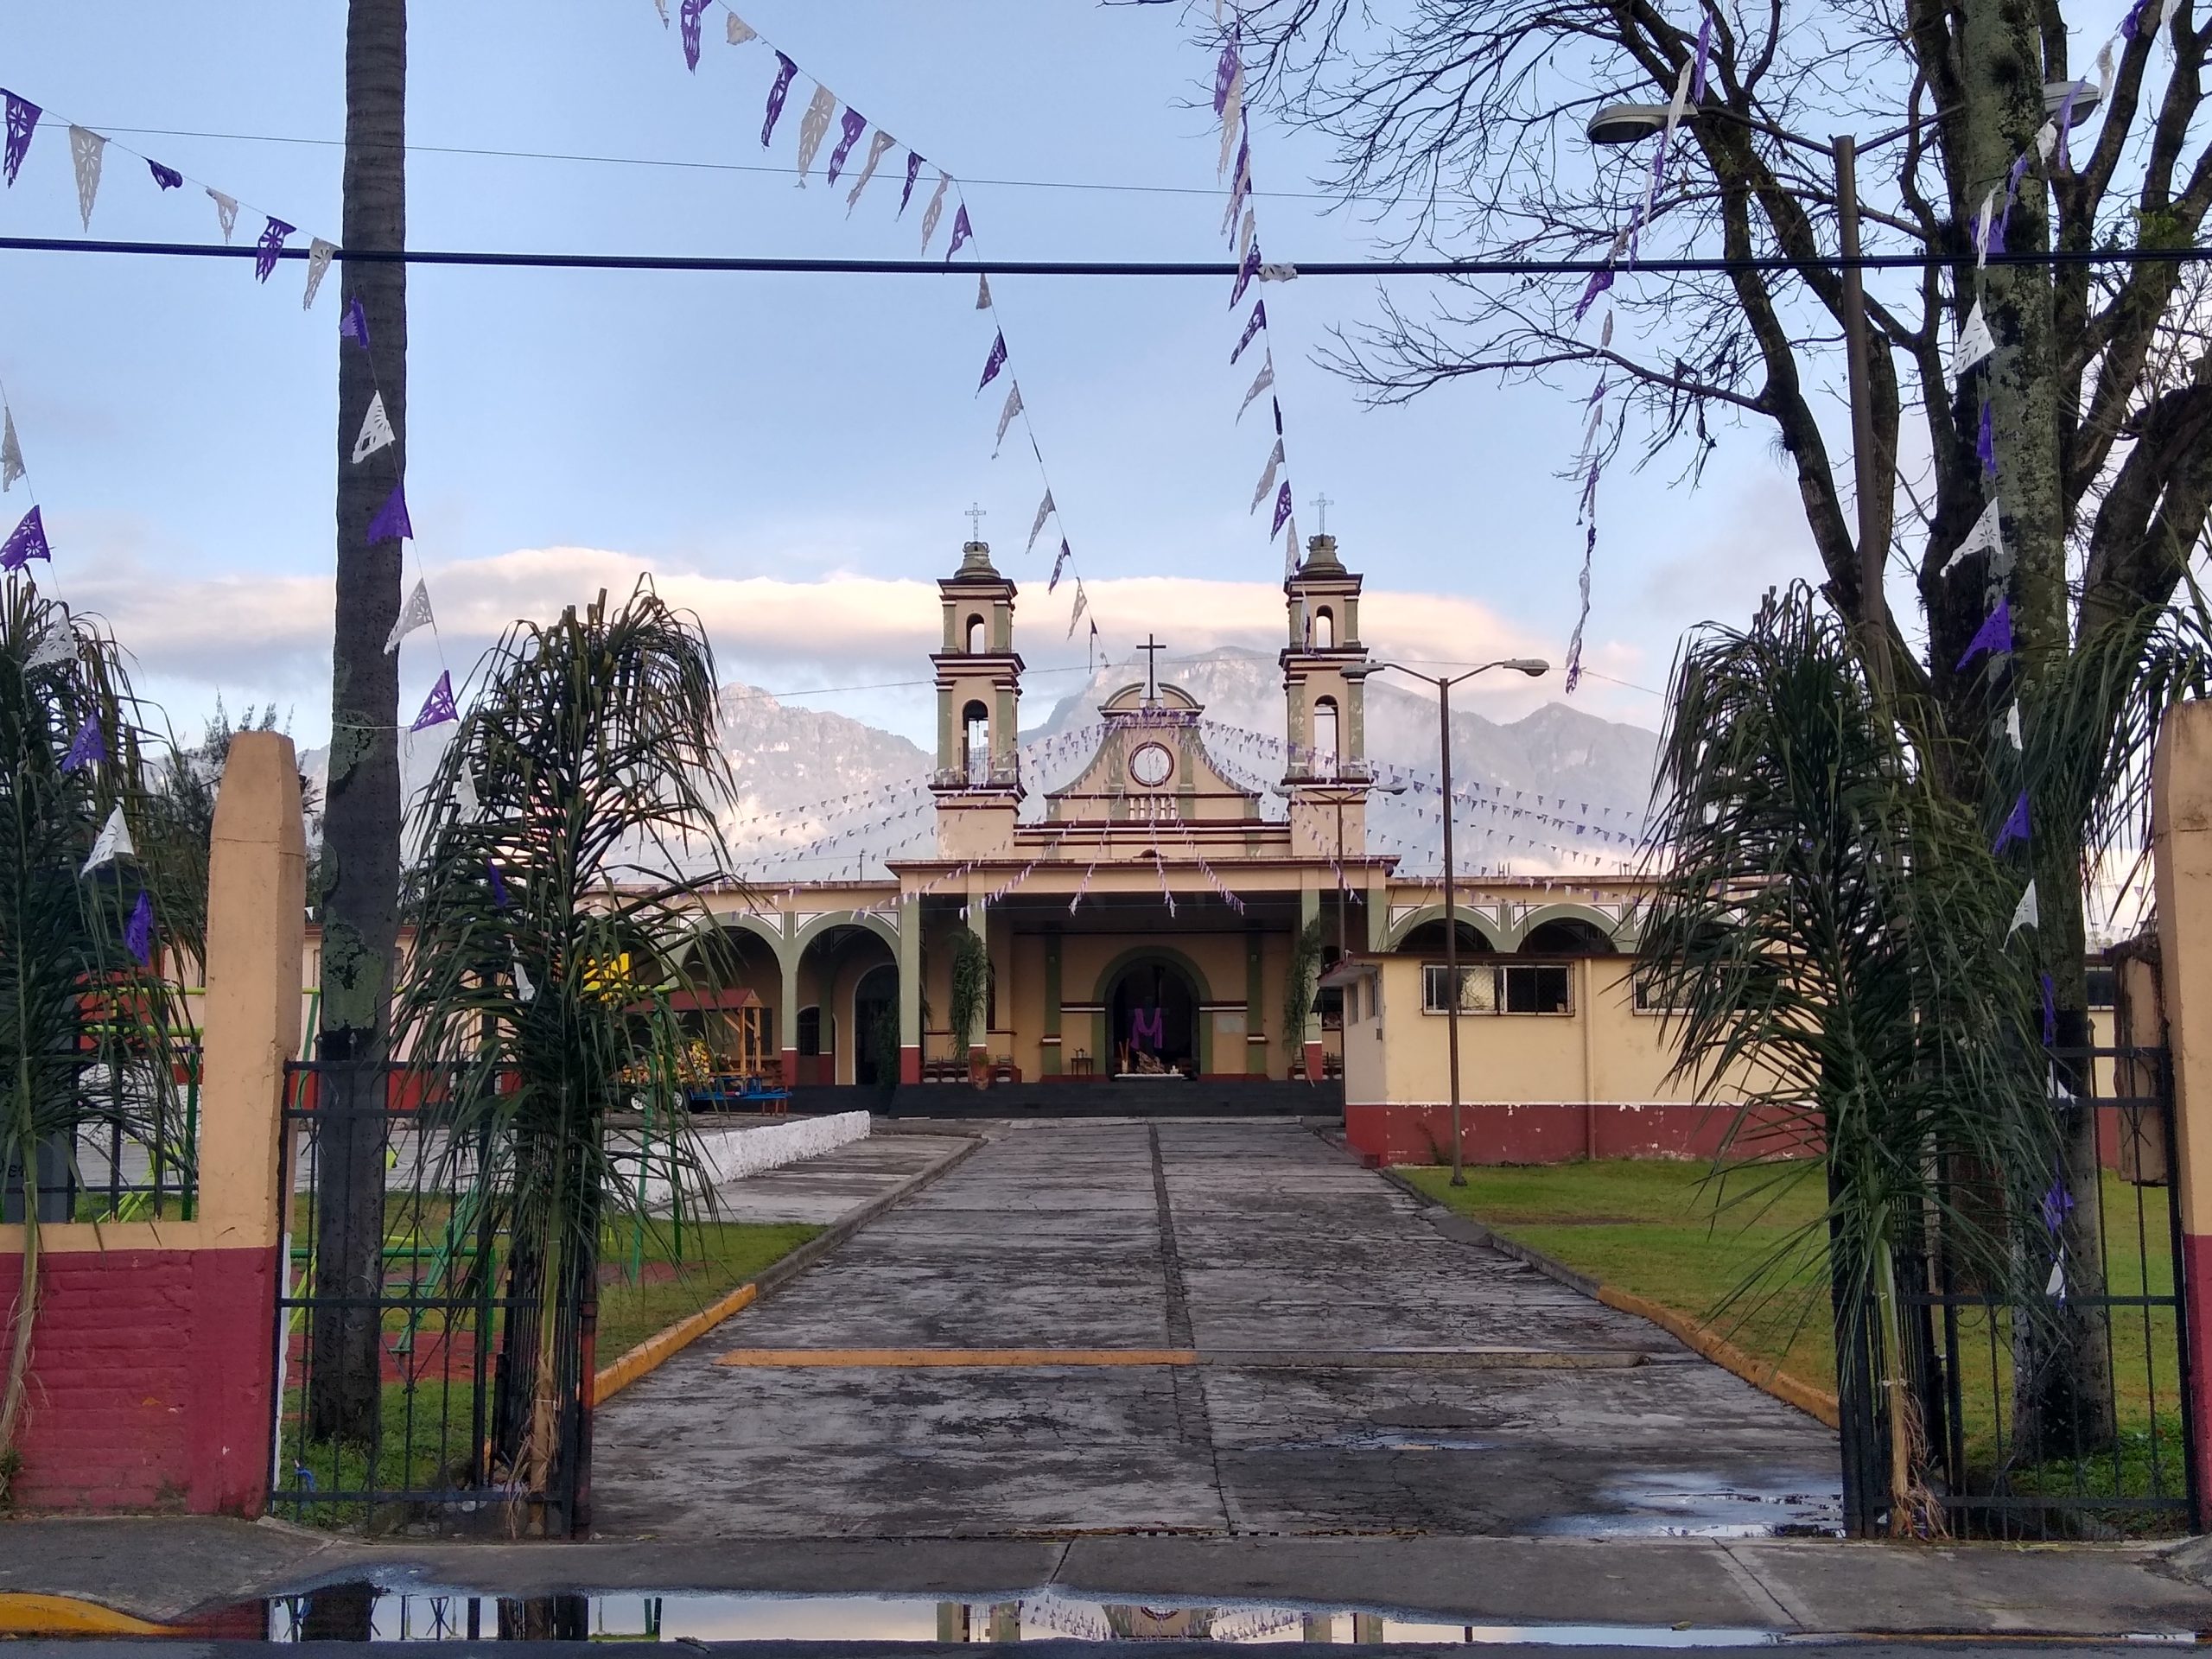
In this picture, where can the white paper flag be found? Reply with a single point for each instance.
(1082, 600)
(1232, 118)
(226, 212)
(464, 790)
(85, 151)
(2055, 1284)
(1290, 549)
(1982, 221)
(877, 145)
(1006, 417)
(1044, 510)
(1244, 234)
(982, 291)
(661, 6)
(2025, 913)
(1237, 187)
(936, 206)
(1986, 536)
(2012, 727)
(1266, 378)
(1973, 344)
(741, 31)
(1681, 101)
(376, 430)
(523, 988)
(812, 126)
(56, 646)
(416, 614)
(1268, 478)
(318, 252)
(12, 452)
(1285, 272)
(114, 842)
(2046, 140)
(2104, 75)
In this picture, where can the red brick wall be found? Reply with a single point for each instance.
(1547, 1134)
(150, 1380)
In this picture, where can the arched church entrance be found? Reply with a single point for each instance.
(1153, 1014)
(876, 1026)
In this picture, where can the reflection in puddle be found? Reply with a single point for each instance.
(361, 1614)
(1678, 1504)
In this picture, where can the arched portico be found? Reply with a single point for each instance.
(831, 954)
(1484, 931)
(1180, 992)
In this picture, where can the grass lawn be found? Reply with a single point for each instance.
(1673, 1234)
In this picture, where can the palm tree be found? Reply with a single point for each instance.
(567, 838)
(73, 993)
(1829, 935)
(359, 895)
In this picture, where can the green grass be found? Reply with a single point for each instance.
(718, 1256)
(1673, 1234)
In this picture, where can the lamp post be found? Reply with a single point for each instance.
(1533, 667)
(1629, 124)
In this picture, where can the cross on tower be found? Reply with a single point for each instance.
(1152, 648)
(1321, 505)
(975, 517)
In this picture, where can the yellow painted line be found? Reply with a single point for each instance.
(1813, 1402)
(657, 1349)
(925, 1359)
(25, 1614)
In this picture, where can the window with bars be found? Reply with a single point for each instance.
(1500, 987)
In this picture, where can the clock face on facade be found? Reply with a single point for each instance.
(1151, 766)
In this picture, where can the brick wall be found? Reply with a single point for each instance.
(1546, 1133)
(150, 1380)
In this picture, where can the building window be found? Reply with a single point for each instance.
(977, 643)
(809, 1031)
(976, 743)
(1651, 995)
(1155, 808)
(1324, 738)
(1324, 630)
(1502, 987)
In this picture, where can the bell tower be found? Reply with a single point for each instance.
(977, 782)
(1324, 670)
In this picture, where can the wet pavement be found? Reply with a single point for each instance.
(1324, 1363)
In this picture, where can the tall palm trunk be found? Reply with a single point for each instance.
(360, 896)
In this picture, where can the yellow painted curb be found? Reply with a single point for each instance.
(1813, 1402)
(923, 1358)
(25, 1614)
(658, 1348)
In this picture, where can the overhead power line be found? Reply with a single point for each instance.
(1214, 269)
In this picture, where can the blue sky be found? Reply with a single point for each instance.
(792, 454)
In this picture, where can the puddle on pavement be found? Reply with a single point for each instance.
(1675, 1506)
(360, 1614)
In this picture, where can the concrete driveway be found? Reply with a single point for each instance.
(1317, 1359)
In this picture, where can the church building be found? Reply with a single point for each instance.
(1147, 919)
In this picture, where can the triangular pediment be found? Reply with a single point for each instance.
(1152, 764)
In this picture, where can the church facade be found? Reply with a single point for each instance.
(1147, 916)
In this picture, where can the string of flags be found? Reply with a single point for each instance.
(822, 108)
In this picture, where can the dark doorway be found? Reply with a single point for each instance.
(876, 1026)
(1154, 1019)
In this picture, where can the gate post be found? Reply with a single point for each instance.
(2181, 843)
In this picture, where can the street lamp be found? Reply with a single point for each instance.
(1533, 667)
(1339, 796)
(1630, 124)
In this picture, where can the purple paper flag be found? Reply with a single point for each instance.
(1994, 634)
(1251, 330)
(994, 363)
(437, 708)
(354, 325)
(2015, 827)
(1224, 74)
(1277, 402)
(2128, 26)
(391, 523)
(168, 177)
(2066, 122)
(2019, 171)
(498, 887)
(1704, 50)
(1282, 508)
(2056, 1202)
(962, 230)
(1245, 273)
(854, 124)
(25, 543)
(2050, 1012)
(88, 746)
(1599, 282)
(688, 20)
(1059, 565)
(785, 73)
(913, 172)
(23, 122)
(1984, 442)
(266, 250)
(138, 933)
(1996, 242)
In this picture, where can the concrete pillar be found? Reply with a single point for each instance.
(1367, 1628)
(1317, 1627)
(952, 1621)
(1048, 1053)
(787, 1014)
(1256, 1006)
(1006, 1621)
(909, 990)
(1309, 907)
(2181, 841)
(979, 1040)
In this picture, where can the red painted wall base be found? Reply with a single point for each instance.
(2196, 1287)
(909, 1066)
(150, 1380)
(1552, 1134)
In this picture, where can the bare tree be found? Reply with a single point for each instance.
(1460, 127)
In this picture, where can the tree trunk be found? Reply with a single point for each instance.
(359, 901)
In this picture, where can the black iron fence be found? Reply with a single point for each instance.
(2060, 1412)
(410, 1327)
(127, 1148)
